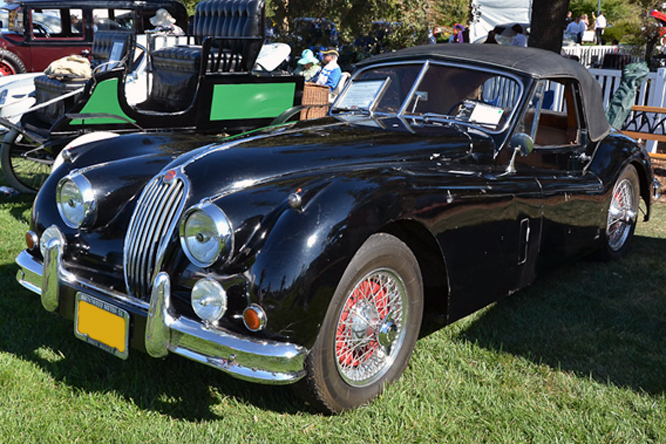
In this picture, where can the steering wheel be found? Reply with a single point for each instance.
(43, 31)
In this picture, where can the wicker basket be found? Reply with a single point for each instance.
(314, 94)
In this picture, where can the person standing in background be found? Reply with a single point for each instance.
(519, 39)
(599, 28)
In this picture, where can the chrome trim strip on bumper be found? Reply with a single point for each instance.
(268, 362)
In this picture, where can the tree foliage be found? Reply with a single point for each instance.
(450, 12)
(380, 25)
(614, 10)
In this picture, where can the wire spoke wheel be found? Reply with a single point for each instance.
(370, 329)
(25, 163)
(621, 214)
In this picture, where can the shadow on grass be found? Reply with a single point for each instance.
(21, 203)
(174, 386)
(605, 321)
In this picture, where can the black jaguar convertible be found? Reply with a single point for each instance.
(444, 178)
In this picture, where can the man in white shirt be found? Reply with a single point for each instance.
(599, 27)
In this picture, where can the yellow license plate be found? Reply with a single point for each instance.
(102, 325)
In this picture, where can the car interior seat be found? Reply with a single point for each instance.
(227, 37)
(110, 49)
(338, 89)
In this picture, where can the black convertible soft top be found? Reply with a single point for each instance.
(533, 62)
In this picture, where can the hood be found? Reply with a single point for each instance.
(325, 146)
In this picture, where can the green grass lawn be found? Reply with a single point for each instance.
(579, 357)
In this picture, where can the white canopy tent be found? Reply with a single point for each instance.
(497, 12)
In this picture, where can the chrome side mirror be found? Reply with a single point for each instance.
(521, 144)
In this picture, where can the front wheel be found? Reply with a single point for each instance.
(622, 215)
(370, 327)
(10, 63)
(25, 164)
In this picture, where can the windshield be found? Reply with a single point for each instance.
(460, 94)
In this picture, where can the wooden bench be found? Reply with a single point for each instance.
(640, 126)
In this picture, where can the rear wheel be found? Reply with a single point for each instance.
(370, 327)
(25, 164)
(10, 63)
(622, 215)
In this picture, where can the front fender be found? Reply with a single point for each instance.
(297, 269)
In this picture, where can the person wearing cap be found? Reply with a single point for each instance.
(164, 22)
(308, 65)
(331, 73)
(458, 36)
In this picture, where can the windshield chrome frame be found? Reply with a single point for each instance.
(425, 66)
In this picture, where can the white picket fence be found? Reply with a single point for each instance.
(593, 55)
(652, 91)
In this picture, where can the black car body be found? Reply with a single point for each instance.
(444, 178)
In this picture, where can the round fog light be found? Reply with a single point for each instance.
(209, 300)
(51, 232)
(254, 318)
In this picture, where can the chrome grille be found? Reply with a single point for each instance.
(150, 229)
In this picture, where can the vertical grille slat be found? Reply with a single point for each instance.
(145, 238)
(154, 219)
(133, 240)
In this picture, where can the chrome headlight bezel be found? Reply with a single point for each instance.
(86, 200)
(220, 231)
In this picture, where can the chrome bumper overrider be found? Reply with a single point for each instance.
(264, 361)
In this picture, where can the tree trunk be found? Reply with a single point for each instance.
(547, 26)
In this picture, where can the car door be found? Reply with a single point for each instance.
(491, 228)
(54, 33)
(571, 218)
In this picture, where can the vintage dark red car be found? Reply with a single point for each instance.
(41, 31)
(445, 178)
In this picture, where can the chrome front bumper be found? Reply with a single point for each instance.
(268, 362)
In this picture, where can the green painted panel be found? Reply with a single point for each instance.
(104, 99)
(251, 100)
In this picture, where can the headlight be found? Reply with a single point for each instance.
(3, 97)
(209, 300)
(206, 234)
(75, 199)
